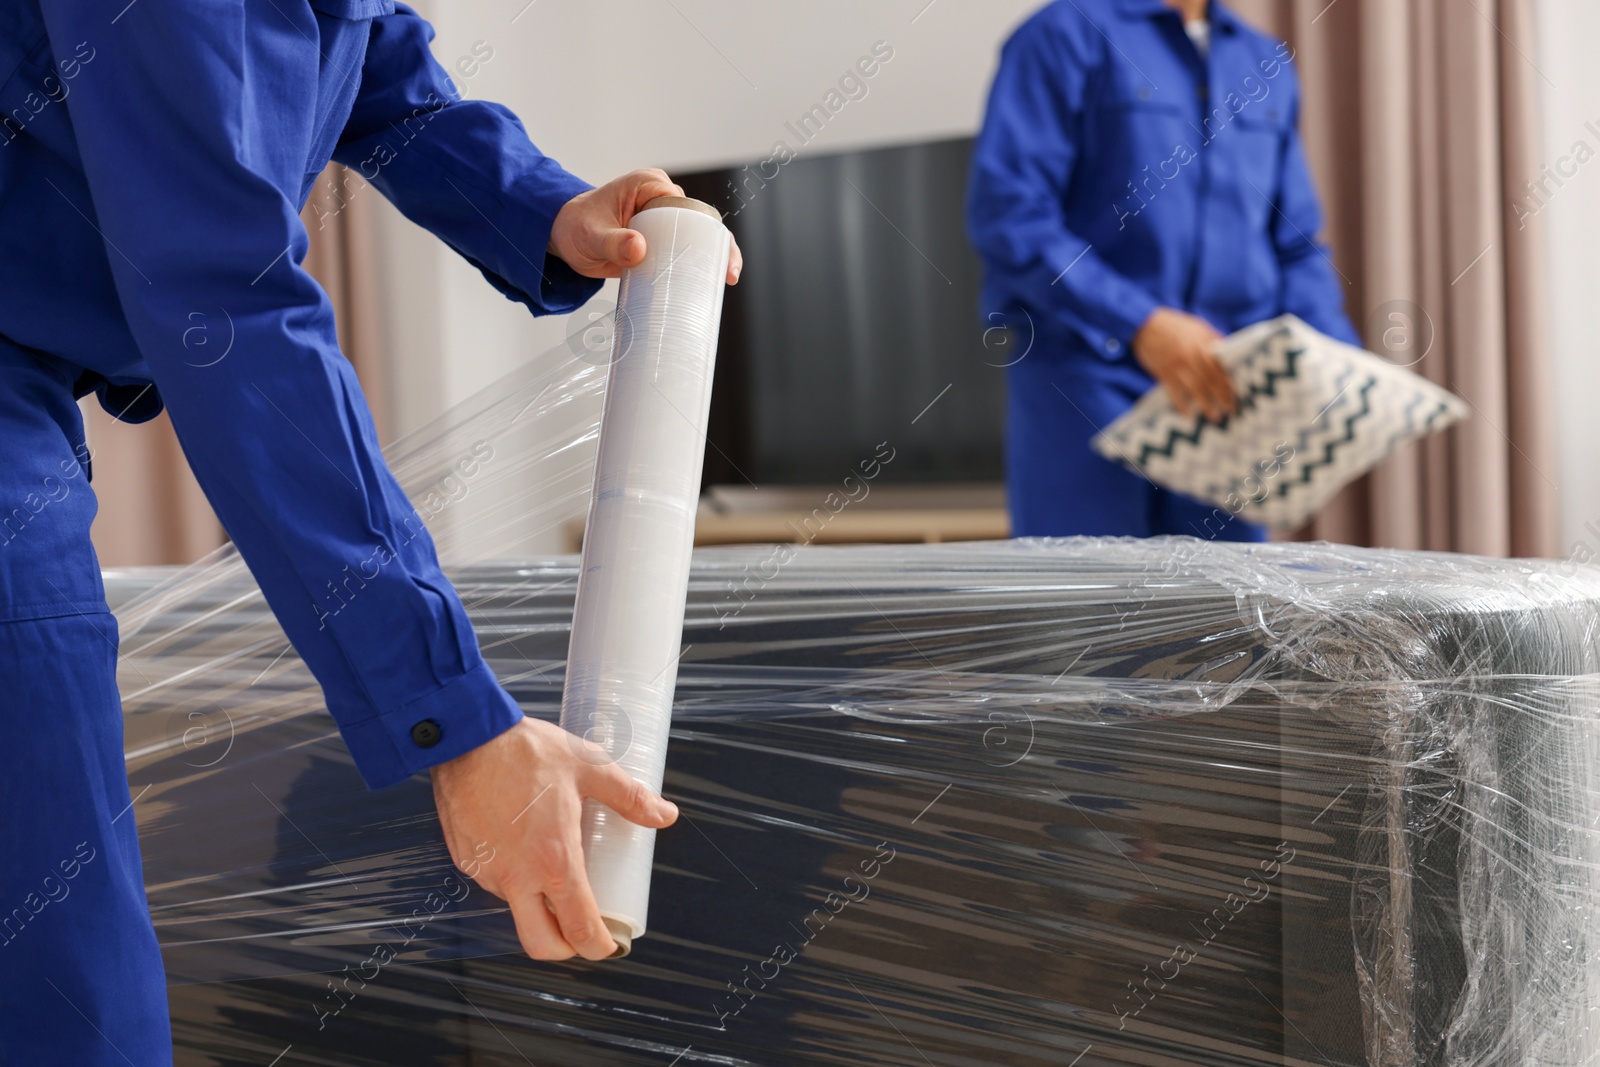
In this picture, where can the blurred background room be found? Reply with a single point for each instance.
(1450, 141)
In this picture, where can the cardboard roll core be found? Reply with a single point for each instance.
(622, 935)
(684, 202)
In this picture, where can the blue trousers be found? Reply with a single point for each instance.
(81, 980)
(1058, 397)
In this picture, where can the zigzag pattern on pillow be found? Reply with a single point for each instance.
(1314, 415)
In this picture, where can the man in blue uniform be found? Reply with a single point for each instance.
(154, 157)
(1139, 190)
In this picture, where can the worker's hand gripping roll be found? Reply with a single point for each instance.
(627, 628)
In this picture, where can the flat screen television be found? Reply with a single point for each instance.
(856, 323)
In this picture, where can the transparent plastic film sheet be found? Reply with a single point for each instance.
(1076, 802)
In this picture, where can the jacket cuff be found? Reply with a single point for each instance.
(546, 284)
(450, 721)
(1119, 320)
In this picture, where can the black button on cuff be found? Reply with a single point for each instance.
(426, 734)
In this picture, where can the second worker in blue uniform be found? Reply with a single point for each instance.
(1139, 189)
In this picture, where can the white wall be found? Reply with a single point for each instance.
(1569, 59)
(609, 85)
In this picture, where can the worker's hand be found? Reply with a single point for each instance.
(1179, 351)
(511, 810)
(591, 232)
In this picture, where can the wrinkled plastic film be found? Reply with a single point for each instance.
(1108, 801)
(627, 624)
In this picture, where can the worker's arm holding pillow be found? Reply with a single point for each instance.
(1024, 162)
(195, 157)
(1055, 102)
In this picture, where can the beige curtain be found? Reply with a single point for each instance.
(1419, 116)
(151, 508)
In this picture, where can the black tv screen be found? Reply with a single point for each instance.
(856, 322)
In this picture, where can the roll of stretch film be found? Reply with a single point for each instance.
(627, 626)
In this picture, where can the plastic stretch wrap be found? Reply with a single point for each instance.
(1085, 802)
(627, 622)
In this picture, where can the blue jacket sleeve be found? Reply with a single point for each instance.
(190, 201)
(463, 169)
(1022, 165)
(1312, 287)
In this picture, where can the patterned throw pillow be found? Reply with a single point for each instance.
(1314, 415)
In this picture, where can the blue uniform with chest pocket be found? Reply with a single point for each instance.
(1121, 169)
(153, 162)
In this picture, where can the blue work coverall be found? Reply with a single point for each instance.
(154, 157)
(1120, 170)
